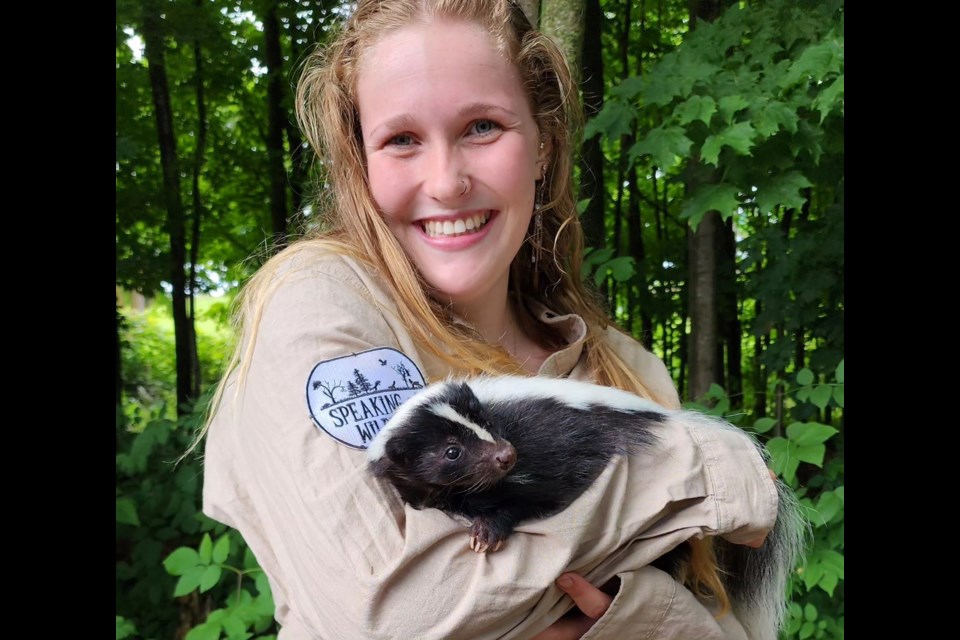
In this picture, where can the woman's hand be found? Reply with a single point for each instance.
(591, 604)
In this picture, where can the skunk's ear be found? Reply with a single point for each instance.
(382, 467)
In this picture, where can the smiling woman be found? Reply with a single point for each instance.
(452, 247)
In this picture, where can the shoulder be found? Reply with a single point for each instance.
(648, 367)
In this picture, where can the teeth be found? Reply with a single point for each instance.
(438, 228)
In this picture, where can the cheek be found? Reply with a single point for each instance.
(386, 186)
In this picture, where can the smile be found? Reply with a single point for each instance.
(453, 228)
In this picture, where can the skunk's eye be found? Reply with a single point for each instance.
(452, 453)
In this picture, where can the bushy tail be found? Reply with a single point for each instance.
(756, 579)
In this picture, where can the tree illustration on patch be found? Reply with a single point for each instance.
(361, 383)
(404, 373)
(328, 388)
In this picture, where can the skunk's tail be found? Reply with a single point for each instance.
(756, 579)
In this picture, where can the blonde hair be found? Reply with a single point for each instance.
(326, 108)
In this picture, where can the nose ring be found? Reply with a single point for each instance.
(464, 184)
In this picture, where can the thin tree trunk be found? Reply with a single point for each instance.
(119, 356)
(703, 305)
(197, 210)
(294, 140)
(275, 125)
(730, 313)
(592, 163)
(154, 53)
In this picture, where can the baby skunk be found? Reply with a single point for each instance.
(500, 450)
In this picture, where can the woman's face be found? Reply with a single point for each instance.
(453, 154)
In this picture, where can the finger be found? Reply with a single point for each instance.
(589, 599)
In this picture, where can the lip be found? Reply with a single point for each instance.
(456, 243)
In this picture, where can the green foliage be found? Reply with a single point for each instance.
(809, 457)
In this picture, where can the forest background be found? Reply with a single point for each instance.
(711, 191)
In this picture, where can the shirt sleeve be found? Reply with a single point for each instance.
(346, 559)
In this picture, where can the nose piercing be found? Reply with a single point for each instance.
(464, 183)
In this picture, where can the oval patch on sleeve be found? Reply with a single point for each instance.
(352, 397)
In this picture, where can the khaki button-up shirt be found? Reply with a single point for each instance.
(347, 559)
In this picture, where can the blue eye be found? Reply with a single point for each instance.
(484, 127)
(402, 140)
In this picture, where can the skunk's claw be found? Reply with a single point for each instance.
(483, 537)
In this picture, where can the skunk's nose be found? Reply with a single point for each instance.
(506, 457)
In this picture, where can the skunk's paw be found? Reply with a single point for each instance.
(486, 536)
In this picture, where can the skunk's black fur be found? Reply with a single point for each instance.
(507, 449)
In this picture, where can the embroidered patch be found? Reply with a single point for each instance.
(352, 397)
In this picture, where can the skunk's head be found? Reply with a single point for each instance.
(441, 439)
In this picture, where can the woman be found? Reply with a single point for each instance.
(451, 246)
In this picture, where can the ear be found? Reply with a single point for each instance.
(383, 467)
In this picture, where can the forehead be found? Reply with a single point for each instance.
(426, 65)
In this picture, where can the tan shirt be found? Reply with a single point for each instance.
(347, 559)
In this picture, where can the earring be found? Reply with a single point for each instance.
(538, 220)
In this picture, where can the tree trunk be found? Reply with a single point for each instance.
(298, 158)
(703, 305)
(119, 356)
(154, 53)
(592, 161)
(532, 10)
(729, 313)
(701, 247)
(275, 124)
(198, 157)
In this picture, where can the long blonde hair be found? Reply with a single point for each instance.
(326, 108)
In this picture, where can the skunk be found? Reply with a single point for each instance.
(501, 450)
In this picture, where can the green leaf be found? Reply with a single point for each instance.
(249, 560)
(810, 612)
(773, 117)
(833, 561)
(814, 64)
(263, 584)
(206, 549)
(222, 549)
(663, 144)
(730, 105)
(812, 453)
(738, 137)
(582, 206)
(235, 628)
(805, 631)
(181, 560)
(812, 574)
(821, 395)
(613, 121)
(696, 108)
(125, 628)
(804, 376)
(829, 98)
(828, 583)
(210, 577)
(828, 506)
(205, 631)
(127, 512)
(782, 458)
(803, 394)
(622, 268)
(783, 189)
(838, 374)
(808, 433)
(629, 88)
(711, 197)
(188, 581)
(764, 424)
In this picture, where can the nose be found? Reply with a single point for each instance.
(445, 180)
(506, 457)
